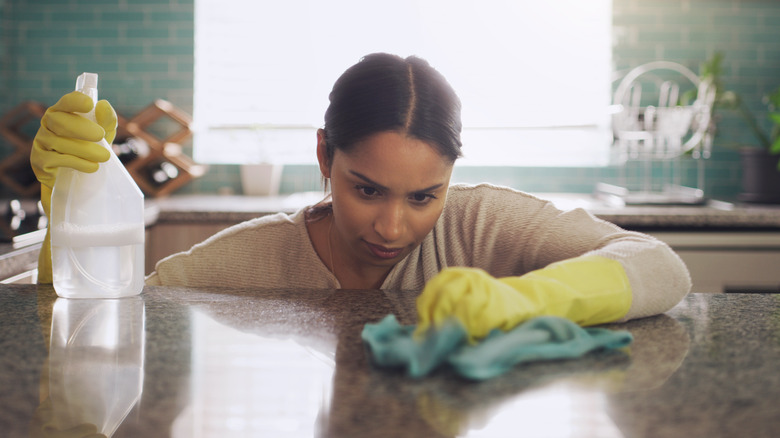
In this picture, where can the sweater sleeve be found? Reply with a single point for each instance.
(510, 233)
(267, 252)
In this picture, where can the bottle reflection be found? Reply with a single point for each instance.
(96, 362)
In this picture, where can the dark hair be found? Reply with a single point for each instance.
(385, 92)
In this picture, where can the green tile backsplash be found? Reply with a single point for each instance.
(143, 50)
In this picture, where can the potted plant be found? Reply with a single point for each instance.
(760, 162)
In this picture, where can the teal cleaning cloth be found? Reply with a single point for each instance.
(542, 338)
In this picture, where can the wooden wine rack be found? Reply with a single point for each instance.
(15, 169)
(166, 149)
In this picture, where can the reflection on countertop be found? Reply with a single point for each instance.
(291, 363)
(95, 370)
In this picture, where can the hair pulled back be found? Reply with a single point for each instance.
(385, 92)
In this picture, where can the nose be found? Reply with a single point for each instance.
(389, 223)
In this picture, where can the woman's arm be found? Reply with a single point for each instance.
(522, 243)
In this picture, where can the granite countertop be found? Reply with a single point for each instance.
(291, 363)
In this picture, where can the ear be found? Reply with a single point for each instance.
(322, 154)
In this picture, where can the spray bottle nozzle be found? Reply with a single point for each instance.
(86, 81)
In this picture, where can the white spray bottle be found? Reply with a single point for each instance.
(97, 226)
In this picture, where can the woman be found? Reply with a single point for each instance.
(387, 149)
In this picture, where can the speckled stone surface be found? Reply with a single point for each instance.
(738, 216)
(291, 363)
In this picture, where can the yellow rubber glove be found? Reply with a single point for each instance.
(66, 139)
(588, 290)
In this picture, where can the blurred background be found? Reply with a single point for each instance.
(561, 65)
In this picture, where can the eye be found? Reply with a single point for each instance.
(423, 198)
(367, 191)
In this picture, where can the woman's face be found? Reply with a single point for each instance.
(388, 192)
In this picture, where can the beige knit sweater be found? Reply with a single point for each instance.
(500, 230)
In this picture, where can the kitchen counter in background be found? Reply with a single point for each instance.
(181, 362)
(19, 258)
(727, 246)
(228, 209)
(716, 214)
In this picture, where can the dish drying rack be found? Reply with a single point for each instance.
(653, 132)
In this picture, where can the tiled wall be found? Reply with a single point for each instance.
(143, 50)
(691, 31)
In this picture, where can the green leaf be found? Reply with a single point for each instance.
(774, 98)
(775, 148)
(775, 117)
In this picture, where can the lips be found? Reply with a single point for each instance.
(384, 253)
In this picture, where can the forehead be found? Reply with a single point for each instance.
(393, 157)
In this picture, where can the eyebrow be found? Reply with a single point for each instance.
(381, 187)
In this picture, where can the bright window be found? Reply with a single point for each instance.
(533, 77)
